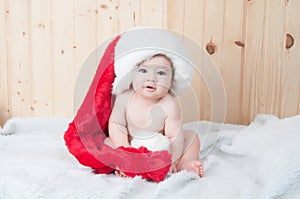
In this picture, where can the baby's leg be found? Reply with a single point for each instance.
(118, 172)
(108, 142)
(190, 158)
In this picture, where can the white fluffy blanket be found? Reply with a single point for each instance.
(257, 161)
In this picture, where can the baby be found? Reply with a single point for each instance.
(150, 107)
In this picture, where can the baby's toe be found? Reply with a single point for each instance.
(201, 171)
(199, 166)
(119, 173)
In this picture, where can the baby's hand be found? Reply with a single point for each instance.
(173, 168)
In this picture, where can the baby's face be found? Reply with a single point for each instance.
(153, 78)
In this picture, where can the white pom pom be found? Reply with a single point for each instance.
(8, 129)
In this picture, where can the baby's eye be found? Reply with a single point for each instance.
(142, 70)
(161, 73)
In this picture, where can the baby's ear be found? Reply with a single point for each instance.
(171, 89)
(172, 93)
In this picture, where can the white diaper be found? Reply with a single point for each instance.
(153, 141)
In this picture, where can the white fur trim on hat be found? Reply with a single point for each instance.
(139, 44)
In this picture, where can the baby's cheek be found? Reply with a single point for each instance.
(137, 83)
(166, 85)
(165, 82)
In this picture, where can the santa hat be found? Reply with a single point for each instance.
(140, 44)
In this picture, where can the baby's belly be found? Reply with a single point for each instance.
(152, 121)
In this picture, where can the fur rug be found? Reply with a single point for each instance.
(250, 162)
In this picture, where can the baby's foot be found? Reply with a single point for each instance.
(193, 166)
(119, 173)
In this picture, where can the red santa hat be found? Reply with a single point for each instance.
(140, 44)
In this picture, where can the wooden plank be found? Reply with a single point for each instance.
(85, 17)
(213, 33)
(174, 19)
(107, 19)
(41, 59)
(253, 58)
(269, 91)
(290, 81)
(4, 105)
(152, 14)
(129, 14)
(194, 20)
(18, 54)
(193, 30)
(214, 27)
(63, 57)
(293, 23)
(232, 58)
(298, 100)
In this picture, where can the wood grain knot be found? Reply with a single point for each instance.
(240, 44)
(41, 25)
(103, 6)
(289, 41)
(211, 48)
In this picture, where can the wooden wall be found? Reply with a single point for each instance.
(44, 42)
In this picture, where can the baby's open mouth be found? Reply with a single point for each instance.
(149, 87)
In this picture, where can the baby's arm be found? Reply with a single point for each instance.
(117, 126)
(173, 130)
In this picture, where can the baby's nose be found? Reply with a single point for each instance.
(151, 77)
